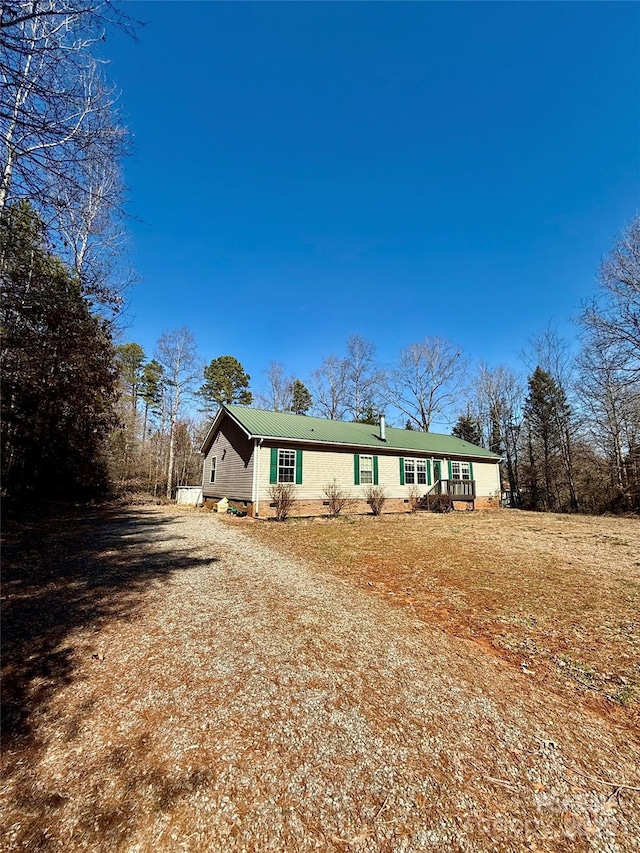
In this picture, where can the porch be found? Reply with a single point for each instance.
(447, 491)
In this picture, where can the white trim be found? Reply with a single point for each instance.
(206, 444)
(255, 485)
(362, 456)
(415, 460)
(287, 467)
(372, 449)
(460, 462)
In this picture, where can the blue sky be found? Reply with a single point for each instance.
(304, 171)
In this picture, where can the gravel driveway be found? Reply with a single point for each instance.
(240, 701)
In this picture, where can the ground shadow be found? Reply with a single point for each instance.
(60, 573)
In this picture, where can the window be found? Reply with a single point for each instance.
(366, 470)
(415, 472)
(212, 475)
(286, 466)
(460, 471)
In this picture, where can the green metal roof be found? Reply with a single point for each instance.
(262, 424)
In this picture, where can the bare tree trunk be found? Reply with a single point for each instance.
(172, 445)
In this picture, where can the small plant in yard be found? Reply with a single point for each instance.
(283, 497)
(336, 497)
(414, 498)
(441, 503)
(376, 498)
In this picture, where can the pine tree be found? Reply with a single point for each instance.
(225, 382)
(468, 429)
(496, 444)
(131, 362)
(301, 400)
(547, 417)
(368, 416)
(150, 391)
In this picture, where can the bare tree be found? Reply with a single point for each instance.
(277, 394)
(613, 319)
(426, 380)
(59, 126)
(499, 400)
(88, 218)
(329, 388)
(177, 355)
(611, 409)
(362, 377)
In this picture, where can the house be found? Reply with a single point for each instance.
(247, 450)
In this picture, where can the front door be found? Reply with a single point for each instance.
(436, 472)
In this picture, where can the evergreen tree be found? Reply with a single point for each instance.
(226, 382)
(131, 362)
(496, 445)
(368, 416)
(301, 400)
(58, 370)
(150, 390)
(468, 429)
(547, 417)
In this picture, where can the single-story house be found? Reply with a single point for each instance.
(248, 450)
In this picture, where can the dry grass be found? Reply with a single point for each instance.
(558, 596)
(174, 685)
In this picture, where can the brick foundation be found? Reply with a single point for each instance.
(491, 502)
(303, 509)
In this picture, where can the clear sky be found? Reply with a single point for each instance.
(304, 171)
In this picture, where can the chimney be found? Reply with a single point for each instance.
(383, 434)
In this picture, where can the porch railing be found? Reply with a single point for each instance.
(462, 490)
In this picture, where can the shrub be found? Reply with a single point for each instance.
(283, 497)
(414, 498)
(441, 503)
(376, 498)
(337, 498)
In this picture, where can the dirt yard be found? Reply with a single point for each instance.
(175, 681)
(558, 596)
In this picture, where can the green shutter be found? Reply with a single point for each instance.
(428, 472)
(449, 465)
(273, 472)
(471, 470)
(298, 467)
(375, 470)
(401, 471)
(356, 469)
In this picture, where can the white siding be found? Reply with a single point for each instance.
(487, 477)
(319, 467)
